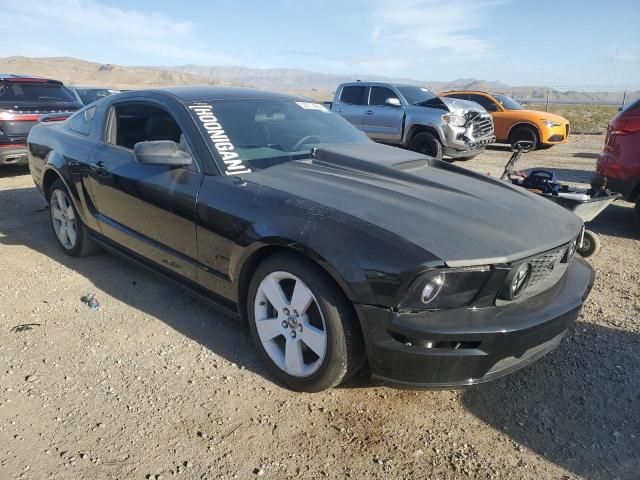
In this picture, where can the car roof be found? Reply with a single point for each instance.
(17, 77)
(195, 93)
(380, 84)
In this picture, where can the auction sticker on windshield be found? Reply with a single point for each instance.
(312, 106)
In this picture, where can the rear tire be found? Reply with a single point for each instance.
(70, 232)
(426, 144)
(312, 349)
(637, 212)
(525, 133)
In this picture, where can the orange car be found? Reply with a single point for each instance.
(513, 122)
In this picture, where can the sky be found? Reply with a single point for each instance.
(519, 42)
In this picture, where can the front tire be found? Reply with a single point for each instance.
(70, 232)
(303, 326)
(526, 133)
(426, 144)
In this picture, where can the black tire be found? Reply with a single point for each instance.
(426, 144)
(83, 245)
(590, 244)
(525, 133)
(637, 212)
(344, 354)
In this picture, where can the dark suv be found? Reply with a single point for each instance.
(23, 101)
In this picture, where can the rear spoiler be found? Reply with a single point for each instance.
(55, 117)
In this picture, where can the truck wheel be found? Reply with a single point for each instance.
(70, 232)
(590, 244)
(303, 326)
(426, 144)
(525, 133)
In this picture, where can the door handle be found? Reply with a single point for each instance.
(369, 112)
(98, 167)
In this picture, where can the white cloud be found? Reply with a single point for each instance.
(432, 26)
(80, 22)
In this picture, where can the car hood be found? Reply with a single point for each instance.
(456, 105)
(537, 115)
(460, 216)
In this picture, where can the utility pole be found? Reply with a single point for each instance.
(548, 95)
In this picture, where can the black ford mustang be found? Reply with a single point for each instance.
(335, 249)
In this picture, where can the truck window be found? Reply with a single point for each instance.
(380, 94)
(354, 95)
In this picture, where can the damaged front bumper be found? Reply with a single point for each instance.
(466, 346)
(470, 139)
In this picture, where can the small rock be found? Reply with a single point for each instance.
(258, 471)
(617, 434)
(30, 378)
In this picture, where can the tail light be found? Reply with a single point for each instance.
(18, 117)
(624, 125)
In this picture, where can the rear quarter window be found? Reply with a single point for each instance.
(353, 95)
(81, 122)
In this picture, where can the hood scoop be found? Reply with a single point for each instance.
(370, 157)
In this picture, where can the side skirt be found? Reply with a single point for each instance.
(212, 299)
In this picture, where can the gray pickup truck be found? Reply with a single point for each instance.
(414, 118)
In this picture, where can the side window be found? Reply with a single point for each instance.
(380, 94)
(81, 121)
(130, 123)
(354, 95)
(482, 100)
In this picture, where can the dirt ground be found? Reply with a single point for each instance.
(154, 384)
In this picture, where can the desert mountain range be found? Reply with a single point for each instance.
(73, 71)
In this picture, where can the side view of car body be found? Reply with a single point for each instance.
(514, 123)
(86, 95)
(335, 249)
(23, 101)
(413, 117)
(620, 160)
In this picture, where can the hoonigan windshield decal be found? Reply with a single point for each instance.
(233, 164)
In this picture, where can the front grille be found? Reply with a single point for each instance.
(543, 265)
(547, 269)
(482, 127)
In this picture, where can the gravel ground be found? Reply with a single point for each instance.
(153, 384)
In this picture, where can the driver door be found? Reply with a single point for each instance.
(501, 121)
(383, 122)
(148, 209)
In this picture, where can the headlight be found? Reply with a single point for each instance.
(445, 288)
(550, 123)
(455, 120)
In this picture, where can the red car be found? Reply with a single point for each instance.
(620, 160)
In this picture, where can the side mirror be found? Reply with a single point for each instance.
(161, 152)
(492, 107)
(392, 102)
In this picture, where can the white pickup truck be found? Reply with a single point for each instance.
(414, 118)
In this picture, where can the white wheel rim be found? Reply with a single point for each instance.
(291, 326)
(63, 219)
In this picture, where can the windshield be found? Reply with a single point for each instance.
(508, 103)
(90, 95)
(252, 134)
(416, 95)
(34, 92)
